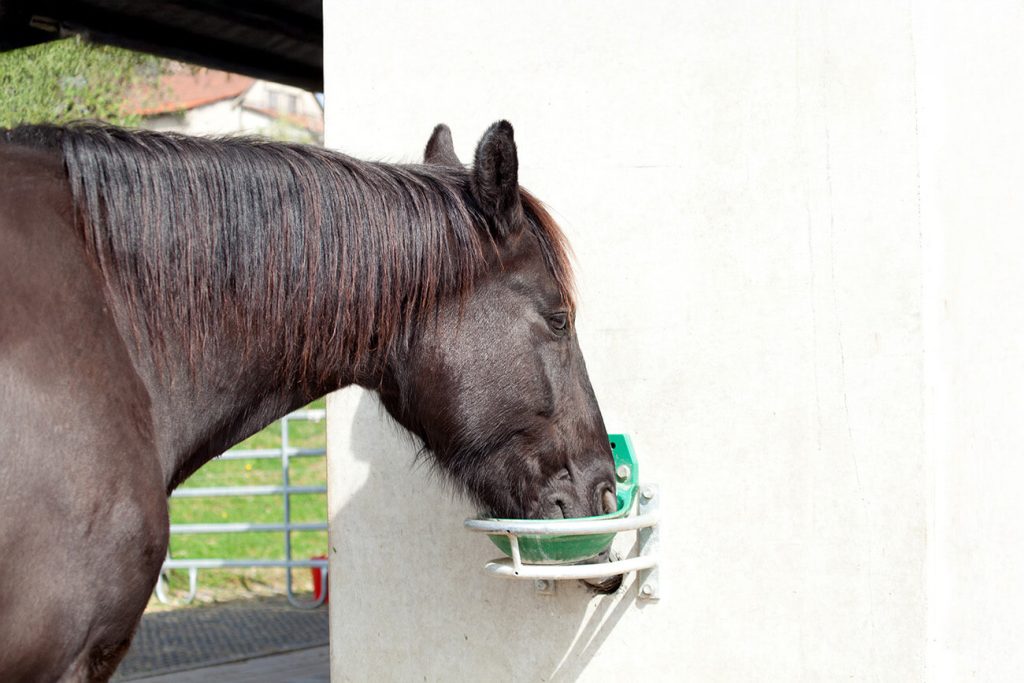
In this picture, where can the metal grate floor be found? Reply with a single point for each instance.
(202, 636)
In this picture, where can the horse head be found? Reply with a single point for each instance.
(496, 385)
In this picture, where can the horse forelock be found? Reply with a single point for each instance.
(332, 259)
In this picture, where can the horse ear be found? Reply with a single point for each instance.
(495, 178)
(440, 149)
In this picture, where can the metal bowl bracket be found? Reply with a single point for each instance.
(645, 563)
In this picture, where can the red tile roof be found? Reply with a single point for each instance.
(186, 89)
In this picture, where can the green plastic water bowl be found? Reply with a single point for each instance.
(563, 549)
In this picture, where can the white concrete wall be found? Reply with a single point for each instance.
(217, 118)
(797, 233)
(971, 58)
(259, 95)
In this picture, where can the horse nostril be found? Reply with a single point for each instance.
(559, 503)
(609, 502)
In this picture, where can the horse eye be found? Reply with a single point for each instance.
(559, 321)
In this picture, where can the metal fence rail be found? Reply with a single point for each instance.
(286, 527)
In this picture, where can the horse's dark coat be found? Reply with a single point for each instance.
(163, 297)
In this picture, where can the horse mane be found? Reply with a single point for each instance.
(193, 232)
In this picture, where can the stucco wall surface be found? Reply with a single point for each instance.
(782, 301)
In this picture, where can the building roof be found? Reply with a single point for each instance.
(186, 89)
(275, 40)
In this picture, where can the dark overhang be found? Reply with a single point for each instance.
(276, 40)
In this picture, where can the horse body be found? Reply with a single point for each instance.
(162, 298)
(82, 536)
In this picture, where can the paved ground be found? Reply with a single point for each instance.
(188, 639)
(303, 666)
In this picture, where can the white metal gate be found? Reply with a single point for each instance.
(285, 452)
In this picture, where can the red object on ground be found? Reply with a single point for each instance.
(316, 579)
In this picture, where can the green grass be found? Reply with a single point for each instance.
(304, 471)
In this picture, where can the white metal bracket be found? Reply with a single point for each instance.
(648, 541)
(645, 562)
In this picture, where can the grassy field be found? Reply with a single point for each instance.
(222, 584)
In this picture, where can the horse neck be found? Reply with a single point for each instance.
(212, 390)
(255, 278)
(203, 401)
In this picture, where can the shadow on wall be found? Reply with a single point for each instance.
(408, 582)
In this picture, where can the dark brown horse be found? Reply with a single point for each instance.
(163, 297)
